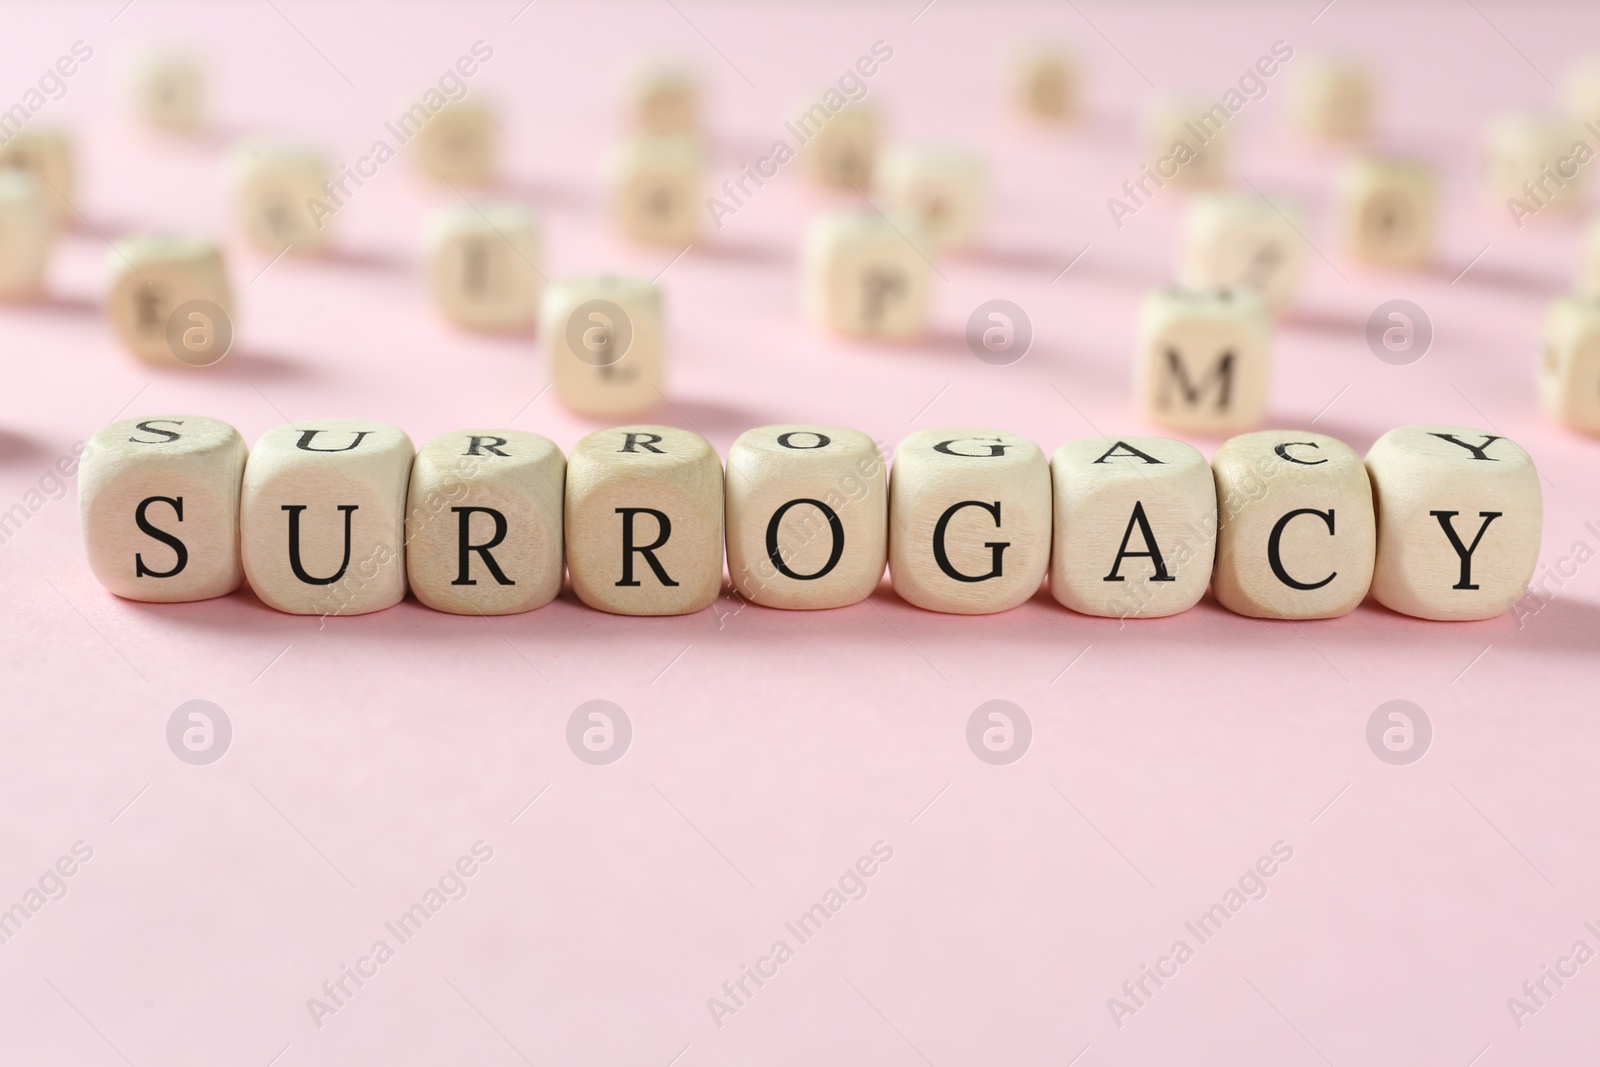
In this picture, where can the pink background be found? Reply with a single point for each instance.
(772, 749)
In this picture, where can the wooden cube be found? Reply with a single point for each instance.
(940, 188)
(46, 153)
(1135, 526)
(666, 100)
(656, 190)
(458, 143)
(169, 299)
(644, 521)
(1189, 139)
(158, 499)
(1587, 282)
(26, 235)
(969, 520)
(166, 90)
(1330, 99)
(1569, 373)
(1047, 85)
(322, 516)
(484, 522)
(807, 516)
(1459, 517)
(1297, 534)
(279, 199)
(1582, 90)
(1238, 241)
(838, 142)
(604, 337)
(1203, 361)
(1388, 208)
(1537, 160)
(483, 265)
(865, 276)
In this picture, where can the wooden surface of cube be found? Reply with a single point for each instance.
(322, 516)
(1189, 139)
(1537, 160)
(807, 516)
(656, 190)
(26, 235)
(159, 284)
(1203, 363)
(969, 520)
(604, 339)
(1243, 241)
(166, 91)
(158, 500)
(1581, 90)
(1569, 370)
(1459, 517)
(1296, 529)
(1135, 526)
(1047, 84)
(483, 265)
(279, 196)
(666, 100)
(46, 153)
(838, 142)
(942, 189)
(458, 143)
(1587, 282)
(1387, 212)
(1330, 99)
(484, 522)
(865, 276)
(644, 511)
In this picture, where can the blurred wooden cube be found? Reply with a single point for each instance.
(864, 276)
(169, 299)
(604, 338)
(483, 265)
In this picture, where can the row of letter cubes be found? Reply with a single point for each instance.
(340, 516)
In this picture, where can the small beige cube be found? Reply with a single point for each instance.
(807, 516)
(942, 189)
(604, 338)
(1588, 275)
(656, 190)
(158, 499)
(1330, 99)
(644, 521)
(279, 196)
(1047, 85)
(26, 235)
(1189, 138)
(1569, 372)
(166, 91)
(458, 143)
(1239, 241)
(838, 141)
(1387, 210)
(168, 300)
(322, 516)
(666, 100)
(484, 522)
(483, 265)
(1297, 532)
(1537, 160)
(1135, 526)
(1204, 359)
(1582, 90)
(865, 276)
(969, 520)
(1459, 518)
(47, 154)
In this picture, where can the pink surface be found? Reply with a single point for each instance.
(771, 750)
